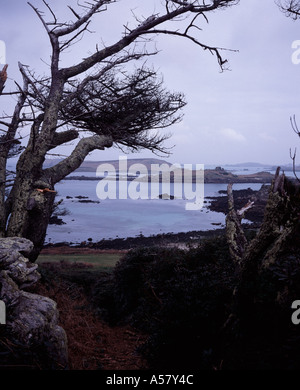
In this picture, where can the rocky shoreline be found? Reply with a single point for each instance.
(241, 198)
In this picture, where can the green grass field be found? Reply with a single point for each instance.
(100, 262)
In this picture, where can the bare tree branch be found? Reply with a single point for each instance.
(213, 50)
(83, 148)
(63, 137)
(74, 13)
(234, 232)
(40, 16)
(294, 125)
(71, 40)
(145, 28)
(94, 8)
(293, 157)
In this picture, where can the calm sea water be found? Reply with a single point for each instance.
(113, 218)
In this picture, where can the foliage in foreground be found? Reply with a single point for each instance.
(180, 298)
(185, 301)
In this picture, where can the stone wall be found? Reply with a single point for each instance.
(31, 319)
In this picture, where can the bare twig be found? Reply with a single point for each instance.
(293, 157)
(213, 50)
(40, 16)
(294, 125)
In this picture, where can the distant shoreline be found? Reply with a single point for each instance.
(212, 176)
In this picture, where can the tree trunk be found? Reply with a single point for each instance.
(281, 218)
(39, 210)
(31, 211)
(30, 202)
(276, 238)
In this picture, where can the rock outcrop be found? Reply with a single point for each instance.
(31, 319)
(241, 198)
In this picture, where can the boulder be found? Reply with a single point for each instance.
(31, 319)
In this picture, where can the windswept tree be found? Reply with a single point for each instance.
(96, 103)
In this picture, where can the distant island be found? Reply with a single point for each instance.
(284, 167)
(217, 175)
(153, 165)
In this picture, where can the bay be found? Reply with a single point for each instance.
(95, 219)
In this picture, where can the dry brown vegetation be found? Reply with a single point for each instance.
(92, 343)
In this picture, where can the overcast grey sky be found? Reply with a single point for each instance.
(236, 116)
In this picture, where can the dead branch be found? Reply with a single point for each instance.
(211, 49)
(293, 157)
(9, 137)
(294, 125)
(242, 211)
(67, 44)
(297, 131)
(234, 232)
(40, 16)
(148, 26)
(93, 9)
(74, 13)
(63, 137)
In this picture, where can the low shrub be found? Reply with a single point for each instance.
(179, 297)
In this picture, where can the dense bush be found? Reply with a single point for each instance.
(183, 299)
(180, 298)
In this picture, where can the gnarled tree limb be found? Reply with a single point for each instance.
(76, 158)
(63, 137)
